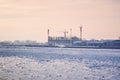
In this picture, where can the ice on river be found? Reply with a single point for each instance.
(30, 68)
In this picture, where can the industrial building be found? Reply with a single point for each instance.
(74, 41)
(64, 41)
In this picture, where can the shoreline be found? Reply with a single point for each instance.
(86, 47)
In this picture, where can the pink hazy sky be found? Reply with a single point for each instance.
(30, 19)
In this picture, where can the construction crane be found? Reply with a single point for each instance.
(65, 33)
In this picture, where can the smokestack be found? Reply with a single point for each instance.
(48, 32)
(81, 32)
(70, 32)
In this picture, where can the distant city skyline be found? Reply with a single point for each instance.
(30, 19)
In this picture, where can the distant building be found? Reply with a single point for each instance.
(78, 42)
(55, 41)
(111, 44)
(5, 43)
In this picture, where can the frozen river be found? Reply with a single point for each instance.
(59, 64)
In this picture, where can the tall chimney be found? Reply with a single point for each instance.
(70, 32)
(81, 32)
(48, 33)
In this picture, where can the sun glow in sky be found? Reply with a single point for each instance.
(30, 19)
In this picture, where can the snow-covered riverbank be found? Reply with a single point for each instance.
(65, 65)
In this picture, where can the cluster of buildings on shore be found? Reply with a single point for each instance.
(66, 42)
(18, 43)
(75, 42)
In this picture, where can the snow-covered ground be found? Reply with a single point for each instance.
(59, 64)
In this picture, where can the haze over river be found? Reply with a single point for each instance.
(40, 63)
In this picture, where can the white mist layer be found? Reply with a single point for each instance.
(15, 68)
